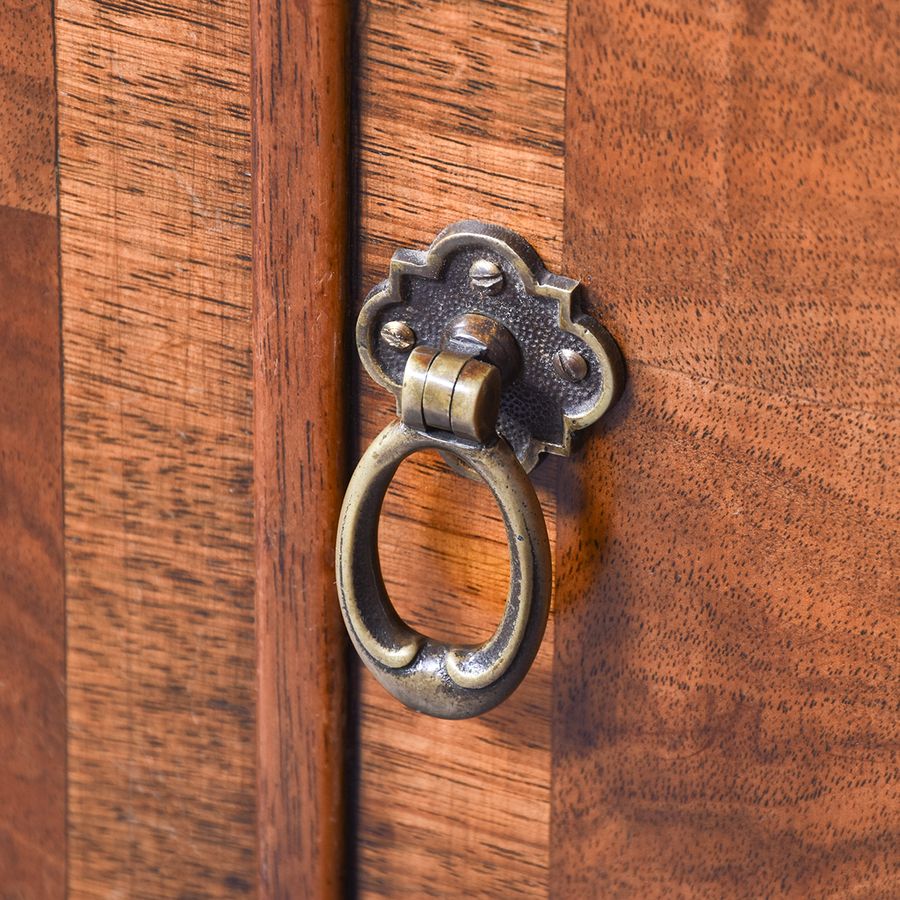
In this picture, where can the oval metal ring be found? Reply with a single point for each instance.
(453, 682)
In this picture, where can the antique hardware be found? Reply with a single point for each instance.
(491, 364)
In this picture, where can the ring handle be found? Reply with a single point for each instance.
(492, 363)
(451, 682)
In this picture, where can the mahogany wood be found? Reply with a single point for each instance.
(724, 689)
(724, 629)
(156, 249)
(301, 373)
(32, 611)
(460, 115)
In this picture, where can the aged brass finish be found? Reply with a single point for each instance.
(486, 276)
(399, 335)
(452, 682)
(429, 289)
(570, 364)
(476, 402)
(485, 338)
(452, 392)
(491, 365)
(417, 366)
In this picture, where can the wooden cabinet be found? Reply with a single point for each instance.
(194, 201)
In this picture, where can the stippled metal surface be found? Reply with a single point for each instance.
(477, 267)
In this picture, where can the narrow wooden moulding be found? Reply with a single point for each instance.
(300, 208)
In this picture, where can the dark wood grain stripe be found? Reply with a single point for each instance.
(300, 193)
(32, 608)
(725, 674)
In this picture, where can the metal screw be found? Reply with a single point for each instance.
(486, 276)
(398, 335)
(570, 364)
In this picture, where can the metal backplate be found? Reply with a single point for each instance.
(570, 370)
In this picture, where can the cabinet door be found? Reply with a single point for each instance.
(711, 712)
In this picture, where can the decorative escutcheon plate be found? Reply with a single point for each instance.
(491, 363)
(569, 370)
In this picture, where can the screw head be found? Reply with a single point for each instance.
(398, 335)
(570, 364)
(486, 276)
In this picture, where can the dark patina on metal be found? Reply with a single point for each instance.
(476, 268)
(491, 363)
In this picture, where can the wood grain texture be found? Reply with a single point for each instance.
(32, 603)
(27, 107)
(725, 674)
(301, 169)
(461, 109)
(155, 233)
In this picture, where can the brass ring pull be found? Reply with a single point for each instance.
(426, 674)
(492, 363)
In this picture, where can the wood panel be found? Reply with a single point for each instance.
(32, 606)
(461, 108)
(155, 217)
(300, 192)
(724, 694)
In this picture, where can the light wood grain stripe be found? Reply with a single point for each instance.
(461, 116)
(155, 215)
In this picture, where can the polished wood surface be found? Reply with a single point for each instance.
(724, 685)
(156, 286)
(301, 376)
(712, 713)
(32, 611)
(460, 115)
